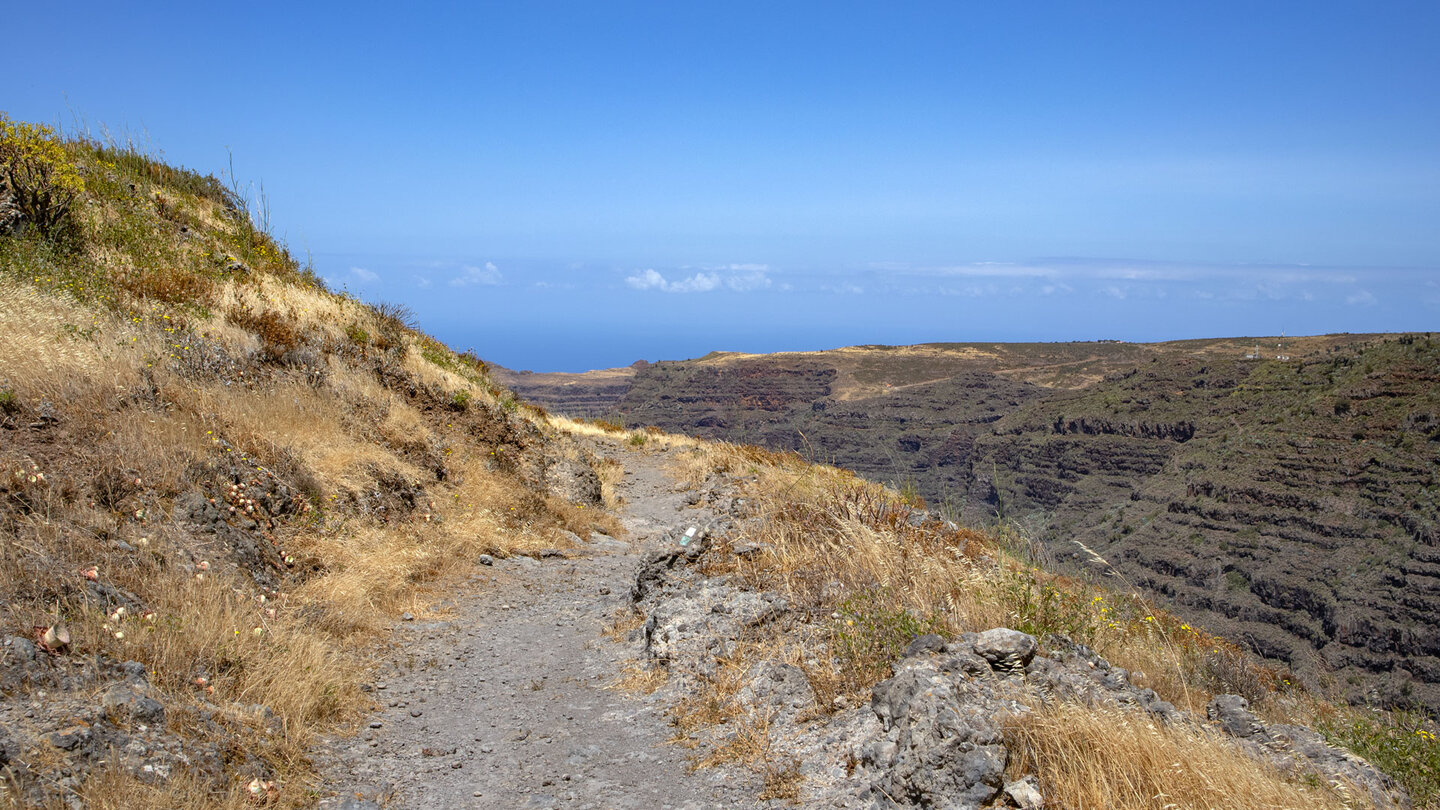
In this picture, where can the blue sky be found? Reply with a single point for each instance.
(573, 185)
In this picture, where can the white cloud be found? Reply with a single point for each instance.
(647, 280)
(364, 275)
(844, 288)
(749, 281)
(470, 274)
(738, 277)
(650, 279)
(968, 290)
(1362, 298)
(1127, 270)
(422, 282)
(700, 282)
(991, 270)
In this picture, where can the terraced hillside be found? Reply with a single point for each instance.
(1290, 503)
(585, 395)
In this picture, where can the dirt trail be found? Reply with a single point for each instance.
(504, 704)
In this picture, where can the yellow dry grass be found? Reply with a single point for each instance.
(1098, 759)
(322, 314)
(303, 652)
(113, 789)
(45, 353)
(300, 420)
(837, 543)
(637, 677)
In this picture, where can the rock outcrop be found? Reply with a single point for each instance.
(932, 734)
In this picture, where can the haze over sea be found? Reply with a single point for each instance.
(564, 186)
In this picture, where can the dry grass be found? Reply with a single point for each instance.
(626, 620)
(44, 354)
(712, 702)
(835, 540)
(846, 554)
(637, 677)
(113, 789)
(611, 473)
(653, 438)
(1097, 759)
(136, 434)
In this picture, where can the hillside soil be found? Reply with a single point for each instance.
(506, 696)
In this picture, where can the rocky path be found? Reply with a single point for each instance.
(505, 702)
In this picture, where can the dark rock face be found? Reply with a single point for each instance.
(925, 432)
(131, 701)
(1005, 649)
(749, 395)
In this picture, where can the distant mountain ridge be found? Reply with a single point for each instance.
(1292, 504)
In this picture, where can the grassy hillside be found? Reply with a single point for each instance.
(220, 483)
(215, 468)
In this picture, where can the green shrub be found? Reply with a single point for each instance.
(36, 169)
(1041, 607)
(1402, 744)
(870, 635)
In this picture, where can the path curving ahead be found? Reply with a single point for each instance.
(505, 704)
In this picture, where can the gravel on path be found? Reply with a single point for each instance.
(505, 704)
